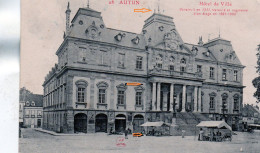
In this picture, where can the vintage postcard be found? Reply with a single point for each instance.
(139, 76)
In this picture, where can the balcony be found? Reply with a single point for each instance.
(121, 105)
(101, 105)
(139, 106)
(156, 71)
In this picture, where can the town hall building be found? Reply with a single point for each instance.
(86, 90)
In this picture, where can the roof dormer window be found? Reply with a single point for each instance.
(27, 103)
(33, 103)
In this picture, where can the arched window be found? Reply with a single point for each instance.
(236, 102)
(81, 91)
(102, 86)
(224, 103)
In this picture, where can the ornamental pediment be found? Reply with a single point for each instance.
(172, 40)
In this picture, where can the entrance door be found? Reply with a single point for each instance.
(138, 120)
(80, 123)
(120, 123)
(101, 123)
(39, 122)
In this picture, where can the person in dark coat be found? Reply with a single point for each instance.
(126, 133)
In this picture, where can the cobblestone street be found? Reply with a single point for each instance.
(38, 142)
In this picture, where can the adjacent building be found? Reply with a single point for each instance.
(86, 92)
(30, 109)
(250, 114)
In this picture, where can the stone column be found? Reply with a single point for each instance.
(183, 98)
(154, 96)
(195, 99)
(199, 99)
(158, 96)
(171, 96)
(92, 92)
(112, 95)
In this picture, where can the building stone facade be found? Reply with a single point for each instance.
(30, 109)
(86, 92)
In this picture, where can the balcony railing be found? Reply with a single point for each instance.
(157, 71)
(101, 104)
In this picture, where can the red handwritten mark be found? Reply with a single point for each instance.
(120, 142)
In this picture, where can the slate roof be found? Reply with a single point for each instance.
(30, 97)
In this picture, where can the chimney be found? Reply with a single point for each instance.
(200, 43)
(68, 18)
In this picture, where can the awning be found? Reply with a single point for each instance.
(156, 124)
(120, 118)
(255, 125)
(214, 124)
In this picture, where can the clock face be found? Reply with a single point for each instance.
(172, 45)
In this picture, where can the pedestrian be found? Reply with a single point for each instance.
(111, 130)
(201, 135)
(182, 133)
(126, 133)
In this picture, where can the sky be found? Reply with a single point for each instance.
(43, 25)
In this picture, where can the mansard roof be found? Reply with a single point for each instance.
(202, 52)
(159, 32)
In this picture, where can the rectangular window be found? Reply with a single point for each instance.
(81, 95)
(211, 103)
(102, 96)
(139, 62)
(182, 69)
(224, 104)
(211, 72)
(121, 60)
(138, 98)
(224, 74)
(121, 97)
(102, 57)
(27, 112)
(199, 68)
(235, 75)
(171, 68)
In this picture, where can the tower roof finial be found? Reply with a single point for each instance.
(159, 8)
(88, 4)
(68, 6)
(219, 32)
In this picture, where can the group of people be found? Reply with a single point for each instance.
(126, 132)
(211, 135)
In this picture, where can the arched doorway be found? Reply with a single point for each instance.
(120, 123)
(80, 123)
(138, 120)
(101, 123)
